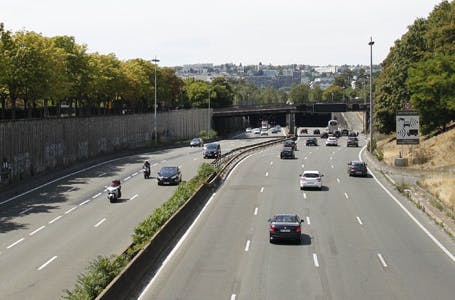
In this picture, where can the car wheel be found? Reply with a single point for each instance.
(301, 188)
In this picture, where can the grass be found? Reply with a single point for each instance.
(442, 187)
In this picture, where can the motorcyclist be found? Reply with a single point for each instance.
(116, 184)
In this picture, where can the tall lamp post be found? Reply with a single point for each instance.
(208, 118)
(154, 125)
(371, 43)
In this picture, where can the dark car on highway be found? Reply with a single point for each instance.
(324, 135)
(290, 143)
(337, 134)
(353, 134)
(352, 142)
(356, 167)
(287, 152)
(311, 142)
(196, 142)
(316, 131)
(344, 132)
(285, 227)
(212, 150)
(169, 175)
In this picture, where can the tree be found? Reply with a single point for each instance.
(300, 93)
(197, 92)
(333, 93)
(431, 83)
(223, 94)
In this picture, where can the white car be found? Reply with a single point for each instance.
(331, 141)
(264, 132)
(248, 130)
(311, 179)
(257, 130)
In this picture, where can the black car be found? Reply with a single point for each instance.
(316, 131)
(285, 227)
(324, 135)
(344, 132)
(356, 167)
(337, 134)
(287, 152)
(169, 175)
(353, 134)
(212, 150)
(290, 143)
(352, 142)
(311, 142)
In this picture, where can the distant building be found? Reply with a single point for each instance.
(326, 69)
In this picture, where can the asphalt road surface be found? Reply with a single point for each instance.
(49, 234)
(358, 241)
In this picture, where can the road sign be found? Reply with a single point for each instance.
(407, 127)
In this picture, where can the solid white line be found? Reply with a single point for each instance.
(46, 263)
(308, 220)
(134, 174)
(233, 296)
(424, 229)
(33, 232)
(382, 260)
(70, 210)
(315, 260)
(360, 221)
(346, 195)
(102, 174)
(135, 196)
(266, 174)
(256, 211)
(86, 201)
(304, 195)
(100, 222)
(55, 219)
(97, 195)
(127, 178)
(338, 180)
(262, 189)
(15, 243)
(24, 211)
(247, 247)
(174, 250)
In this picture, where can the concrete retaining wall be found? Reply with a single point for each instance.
(28, 147)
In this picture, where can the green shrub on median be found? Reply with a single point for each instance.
(103, 270)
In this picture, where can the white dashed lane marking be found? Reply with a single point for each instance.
(127, 178)
(266, 174)
(96, 196)
(315, 260)
(338, 180)
(262, 189)
(304, 195)
(135, 196)
(85, 202)
(54, 219)
(308, 220)
(100, 222)
(70, 210)
(359, 220)
(247, 246)
(15, 243)
(384, 264)
(346, 195)
(46, 263)
(24, 211)
(36, 230)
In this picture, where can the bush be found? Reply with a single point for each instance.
(212, 134)
(104, 269)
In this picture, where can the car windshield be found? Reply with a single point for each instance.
(212, 146)
(168, 171)
(311, 175)
(287, 149)
(195, 140)
(285, 218)
(357, 163)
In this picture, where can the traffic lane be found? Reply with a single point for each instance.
(112, 225)
(206, 264)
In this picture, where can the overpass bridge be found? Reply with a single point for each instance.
(291, 115)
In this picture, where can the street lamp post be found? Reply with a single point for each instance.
(154, 125)
(371, 43)
(208, 118)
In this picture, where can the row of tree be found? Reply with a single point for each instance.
(420, 68)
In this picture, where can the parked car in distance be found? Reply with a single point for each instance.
(316, 131)
(287, 152)
(285, 227)
(311, 142)
(212, 150)
(169, 175)
(357, 167)
(324, 135)
(331, 141)
(344, 132)
(257, 130)
(248, 130)
(303, 131)
(311, 179)
(290, 143)
(196, 142)
(352, 142)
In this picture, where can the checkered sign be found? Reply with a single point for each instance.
(407, 127)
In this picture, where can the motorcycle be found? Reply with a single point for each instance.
(146, 172)
(114, 191)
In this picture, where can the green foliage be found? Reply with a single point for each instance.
(300, 93)
(212, 134)
(333, 93)
(103, 270)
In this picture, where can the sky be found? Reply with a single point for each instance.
(178, 32)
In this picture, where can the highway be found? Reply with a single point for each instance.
(358, 241)
(50, 233)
